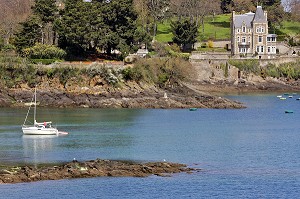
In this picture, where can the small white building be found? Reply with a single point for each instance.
(142, 52)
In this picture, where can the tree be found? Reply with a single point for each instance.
(275, 10)
(157, 10)
(293, 7)
(243, 5)
(47, 11)
(226, 6)
(30, 33)
(195, 10)
(120, 18)
(76, 28)
(38, 27)
(12, 13)
(185, 32)
(98, 25)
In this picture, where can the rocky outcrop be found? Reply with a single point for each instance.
(93, 168)
(130, 95)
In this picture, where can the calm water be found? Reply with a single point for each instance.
(247, 153)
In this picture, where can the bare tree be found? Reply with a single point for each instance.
(294, 6)
(243, 5)
(143, 12)
(196, 10)
(11, 14)
(157, 10)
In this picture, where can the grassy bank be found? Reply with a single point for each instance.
(218, 28)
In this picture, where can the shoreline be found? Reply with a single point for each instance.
(180, 96)
(92, 168)
(138, 95)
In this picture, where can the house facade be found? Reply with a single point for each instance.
(250, 37)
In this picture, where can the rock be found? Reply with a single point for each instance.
(92, 169)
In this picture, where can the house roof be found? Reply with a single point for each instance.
(259, 15)
(243, 19)
(248, 18)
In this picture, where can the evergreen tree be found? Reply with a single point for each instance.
(30, 33)
(38, 27)
(45, 9)
(88, 26)
(226, 5)
(78, 26)
(184, 33)
(120, 19)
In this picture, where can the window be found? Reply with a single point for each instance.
(269, 49)
(260, 38)
(243, 50)
(243, 39)
(260, 49)
(260, 29)
(238, 30)
(249, 39)
(238, 39)
(244, 29)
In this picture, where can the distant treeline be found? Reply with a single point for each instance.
(83, 27)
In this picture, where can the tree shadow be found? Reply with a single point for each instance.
(293, 28)
(223, 24)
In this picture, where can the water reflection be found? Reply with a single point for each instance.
(35, 146)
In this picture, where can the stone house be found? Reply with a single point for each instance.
(250, 36)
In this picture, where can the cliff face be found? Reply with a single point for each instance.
(83, 91)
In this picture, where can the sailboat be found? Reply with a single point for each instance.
(43, 128)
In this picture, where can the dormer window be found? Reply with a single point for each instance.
(238, 30)
(244, 29)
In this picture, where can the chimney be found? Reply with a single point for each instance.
(266, 14)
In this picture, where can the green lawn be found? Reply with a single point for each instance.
(290, 27)
(219, 29)
(164, 33)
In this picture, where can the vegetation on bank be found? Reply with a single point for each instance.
(15, 70)
(288, 70)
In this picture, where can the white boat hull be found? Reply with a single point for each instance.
(39, 131)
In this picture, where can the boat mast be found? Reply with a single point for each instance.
(34, 106)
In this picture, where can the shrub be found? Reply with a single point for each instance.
(210, 44)
(110, 75)
(43, 51)
(249, 65)
(160, 71)
(8, 47)
(44, 61)
(272, 71)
